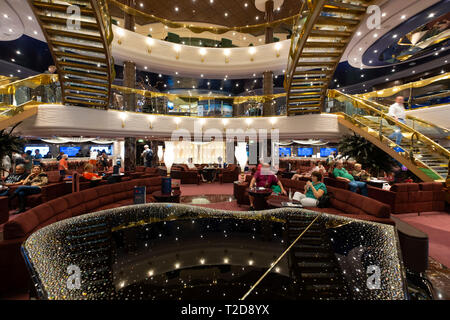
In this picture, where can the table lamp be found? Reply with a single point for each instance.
(160, 154)
(241, 156)
(169, 157)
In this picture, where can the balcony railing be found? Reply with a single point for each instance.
(45, 89)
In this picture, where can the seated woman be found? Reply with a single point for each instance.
(318, 168)
(266, 179)
(31, 185)
(313, 191)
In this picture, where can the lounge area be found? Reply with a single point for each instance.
(270, 152)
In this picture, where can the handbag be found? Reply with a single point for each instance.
(324, 201)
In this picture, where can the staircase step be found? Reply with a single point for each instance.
(324, 44)
(337, 21)
(329, 33)
(336, 6)
(61, 8)
(78, 46)
(83, 66)
(76, 35)
(85, 75)
(63, 22)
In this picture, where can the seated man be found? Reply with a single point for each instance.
(266, 179)
(313, 191)
(15, 178)
(31, 185)
(341, 173)
(359, 174)
(191, 165)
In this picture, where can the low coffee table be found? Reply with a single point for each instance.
(260, 196)
(173, 197)
(277, 201)
(376, 183)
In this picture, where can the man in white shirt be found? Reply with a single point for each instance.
(397, 111)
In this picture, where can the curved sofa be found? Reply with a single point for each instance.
(13, 273)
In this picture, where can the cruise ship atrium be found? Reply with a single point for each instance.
(224, 151)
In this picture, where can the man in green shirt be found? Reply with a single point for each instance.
(341, 173)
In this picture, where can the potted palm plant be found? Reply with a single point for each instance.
(9, 143)
(372, 158)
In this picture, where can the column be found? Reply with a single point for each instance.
(129, 80)
(268, 108)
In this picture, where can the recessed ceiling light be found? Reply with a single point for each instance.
(257, 17)
(13, 60)
(403, 17)
(358, 33)
(211, 1)
(19, 71)
(35, 32)
(226, 14)
(30, 18)
(278, 9)
(10, 30)
(387, 79)
(383, 14)
(394, 36)
(375, 51)
(176, 9)
(370, 61)
(5, 16)
(375, 35)
(246, 4)
(160, 75)
(18, 52)
(145, 68)
(431, 15)
(141, 4)
(176, 72)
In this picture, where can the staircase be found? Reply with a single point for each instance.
(80, 47)
(312, 262)
(320, 38)
(420, 154)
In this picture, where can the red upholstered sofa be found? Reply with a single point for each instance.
(348, 204)
(4, 210)
(144, 172)
(229, 174)
(412, 197)
(185, 175)
(343, 202)
(13, 273)
(54, 189)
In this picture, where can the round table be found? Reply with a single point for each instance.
(173, 197)
(260, 196)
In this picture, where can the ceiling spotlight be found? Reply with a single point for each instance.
(18, 52)
(358, 33)
(160, 75)
(176, 9)
(246, 4)
(431, 15)
(394, 36)
(383, 14)
(145, 68)
(375, 35)
(35, 32)
(226, 14)
(257, 17)
(403, 17)
(211, 1)
(30, 18)
(5, 16)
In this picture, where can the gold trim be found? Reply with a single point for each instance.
(279, 258)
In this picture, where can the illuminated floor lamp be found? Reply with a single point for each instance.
(241, 156)
(160, 154)
(169, 158)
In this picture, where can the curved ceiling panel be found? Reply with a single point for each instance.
(394, 14)
(213, 63)
(11, 26)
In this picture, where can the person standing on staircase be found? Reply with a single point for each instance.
(397, 111)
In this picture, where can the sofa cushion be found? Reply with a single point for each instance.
(431, 186)
(45, 211)
(59, 205)
(21, 225)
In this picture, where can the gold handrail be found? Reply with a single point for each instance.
(386, 108)
(279, 258)
(363, 105)
(236, 99)
(394, 90)
(31, 82)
